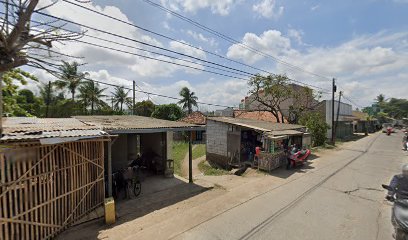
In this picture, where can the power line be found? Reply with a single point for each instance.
(227, 38)
(116, 35)
(128, 88)
(247, 73)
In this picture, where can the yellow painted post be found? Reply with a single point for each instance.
(110, 217)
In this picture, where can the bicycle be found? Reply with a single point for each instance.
(132, 182)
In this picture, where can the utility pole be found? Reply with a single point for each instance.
(190, 154)
(48, 99)
(334, 89)
(337, 117)
(92, 97)
(1, 103)
(134, 98)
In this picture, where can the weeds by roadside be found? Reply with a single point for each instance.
(207, 169)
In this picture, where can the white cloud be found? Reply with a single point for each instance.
(271, 42)
(268, 9)
(314, 8)
(296, 35)
(177, 46)
(200, 37)
(221, 7)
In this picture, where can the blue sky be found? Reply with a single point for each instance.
(364, 44)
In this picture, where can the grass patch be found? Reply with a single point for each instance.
(206, 169)
(198, 151)
(178, 153)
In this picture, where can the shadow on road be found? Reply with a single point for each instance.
(157, 193)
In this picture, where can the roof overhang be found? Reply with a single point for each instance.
(155, 130)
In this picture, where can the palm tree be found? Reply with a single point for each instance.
(70, 77)
(90, 95)
(380, 98)
(189, 99)
(120, 97)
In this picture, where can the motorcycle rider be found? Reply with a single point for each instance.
(398, 190)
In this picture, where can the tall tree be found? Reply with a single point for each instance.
(380, 98)
(70, 77)
(11, 81)
(120, 97)
(144, 108)
(90, 95)
(189, 99)
(269, 92)
(170, 112)
(304, 99)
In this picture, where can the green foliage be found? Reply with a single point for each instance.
(168, 112)
(188, 99)
(70, 77)
(317, 127)
(120, 97)
(179, 151)
(209, 170)
(144, 108)
(270, 91)
(198, 151)
(11, 95)
(90, 95)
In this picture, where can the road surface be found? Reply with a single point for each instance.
(340, 200)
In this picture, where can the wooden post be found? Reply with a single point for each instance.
(110, 169)
(190, 158)
(134, 98)
(48, 99)
(1, 104)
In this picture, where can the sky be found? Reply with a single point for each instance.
(363, 44)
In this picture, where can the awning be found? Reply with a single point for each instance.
(287, 133)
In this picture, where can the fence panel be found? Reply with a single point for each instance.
(46, 188)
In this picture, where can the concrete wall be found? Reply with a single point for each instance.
(217, 142)
(346, 110)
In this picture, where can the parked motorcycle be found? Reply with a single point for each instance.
(399, 215)
(299, 157)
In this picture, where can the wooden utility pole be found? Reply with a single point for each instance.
(134, 98)
(190, 154)
(1, 103)
(334, 89)
(337, 117)
(48, 99)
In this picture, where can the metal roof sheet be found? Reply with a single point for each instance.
(131, 122)
(256, 124)
(20, 128)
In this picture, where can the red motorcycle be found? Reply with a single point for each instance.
(389, 131)
(299, 157)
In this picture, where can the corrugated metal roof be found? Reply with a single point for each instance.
(130, 122)
(256, 124)
(21, 128)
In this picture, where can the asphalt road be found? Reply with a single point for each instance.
(342, 200)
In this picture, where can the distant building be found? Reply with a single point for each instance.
(345, 119)
(228, 112)
(250, 103)
(257, 115)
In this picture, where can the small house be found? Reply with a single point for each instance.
(138, 136)
(196, 118)
(232, 141)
